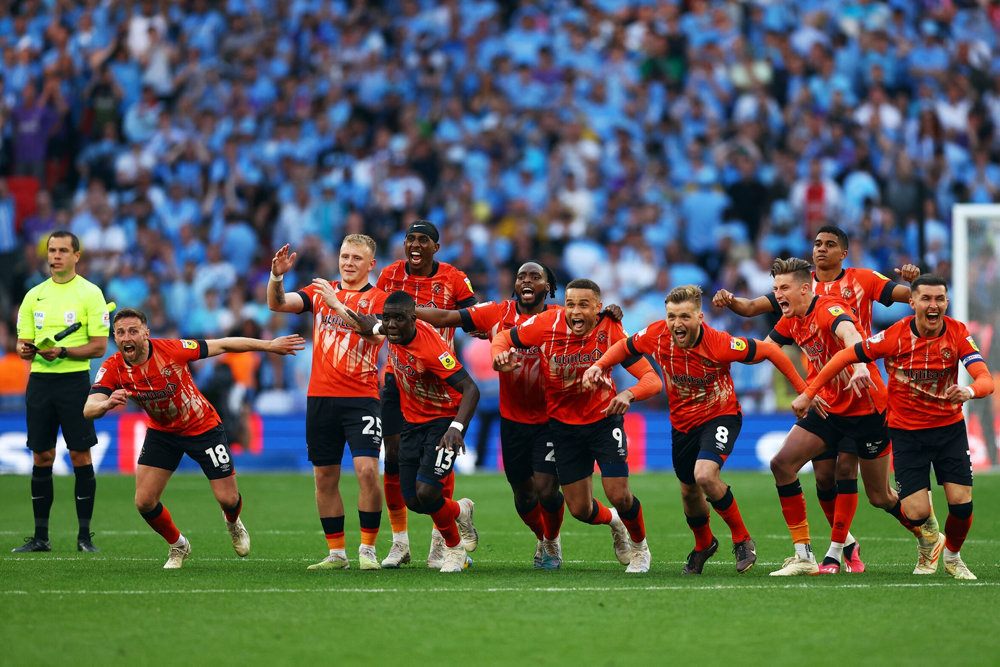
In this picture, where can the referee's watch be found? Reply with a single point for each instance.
(64, 353)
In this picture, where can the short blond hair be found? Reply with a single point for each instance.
(362, 240)
(800, 269)
(684, 294)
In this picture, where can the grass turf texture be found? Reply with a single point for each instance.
(119, 606)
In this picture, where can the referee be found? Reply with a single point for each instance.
(60, 381)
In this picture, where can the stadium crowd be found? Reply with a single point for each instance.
(641, 144)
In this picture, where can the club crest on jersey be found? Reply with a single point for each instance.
(947, 353)
(877, 338)
(437, 288)
(972, 343)
(738, 344)
(190, 344)
(836, 311)
(848, 293)
(447, 361)
(167, 372)
(363, 303)
(602, 336)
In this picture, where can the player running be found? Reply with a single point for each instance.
(584, 426)
(821, 326)
(342, 398)
(154, 373)
(431, 284)
(836, 473)
(438, 398)
(704, 412)
(926, 422)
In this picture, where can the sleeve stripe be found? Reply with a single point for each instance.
(630, 343)
(751, 350)
(465, 303)
(859, 349)
(467, 323)
(774, 302)
(307, 304)
(885, 298)
(100, 390)
(632, 360)
(456, 378)
(972, 358)
(202, 349)
(778, 338)
(516, 339)
(840, 318)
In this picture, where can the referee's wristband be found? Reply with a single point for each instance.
(459, 426)
(972, 392)
(277, 279)
(377, 331)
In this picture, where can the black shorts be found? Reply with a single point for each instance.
(579, 446)
(392, 411)
(712, 441)
(845, 446)
(210, 449)
(914, 452)
(57, 399)
(864, 435)
(330, 422)
(527, 449)
(419, 457)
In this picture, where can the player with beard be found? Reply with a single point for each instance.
(704, 412)
(431, 284)
(524, 440)
(921, 355)
(586, 426)
(836, 472)
(154, 373)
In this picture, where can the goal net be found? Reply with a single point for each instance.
(975, 300)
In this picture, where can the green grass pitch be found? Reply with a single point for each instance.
(120, 607)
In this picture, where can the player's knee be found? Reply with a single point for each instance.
(621, 498)
(524, 501)
(779, 465)
(581, 511)
(706, 478)
(45, 459)
(880, 498)
(367, 477)
(145, 502)
(413, 504)
(427, 494)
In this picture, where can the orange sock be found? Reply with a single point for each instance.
(847, 506)
(533, 520)
(552, 517)
(394, 502)
(448, 486)
(634, 524)
(793, 507)
(370, 522)
(957, 525)
(828, 501)
(333, 528)
(444, 521)
(160, 521)
(727, 508)
(600, 515)
(702, 531)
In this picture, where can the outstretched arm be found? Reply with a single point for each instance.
(439, 317)
(98, 405)
(504, 353)
(776, 356)
(837, 363)
(282, 345)
(741, 306)
(277, 298)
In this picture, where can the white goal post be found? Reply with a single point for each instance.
(975, 298)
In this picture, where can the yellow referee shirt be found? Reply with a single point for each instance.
(51, 307)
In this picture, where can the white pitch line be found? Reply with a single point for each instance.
(508, 589)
